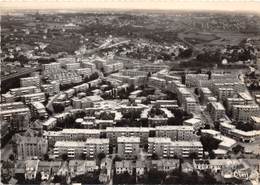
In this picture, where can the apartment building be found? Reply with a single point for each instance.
(35, 97)
(71, 134)
(95, 146)
(52, 88)
(38, 110)
(17, 92)
(51, 67)
(230, 102)
(29, 147)
(84, 72)
(114, 132)
(176, 133)
(230, 130)
(72, 66)
(73, 149)
(87, 64)
(183, 93)
(216, 110)
(17, 114)
(204, 93)
(190, 104)
(30, 81)
(163, 147)
(248, 99)
(65, 77)
(191, 80)
(49, 123)
(113, 67)
(244, 112)
(157, 82)
(225, 92)
(128, 147)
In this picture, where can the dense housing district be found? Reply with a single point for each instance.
(94, 117)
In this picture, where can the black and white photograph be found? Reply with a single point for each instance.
(134, 92)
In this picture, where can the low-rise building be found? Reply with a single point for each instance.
(125, 166)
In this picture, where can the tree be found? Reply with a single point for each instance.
(193, 155)
(238, 149)
(11, 157)
(46, 157)
(101, 156)
(155, 156)
(64, 157)
(209, 143)
(58, 108)
(155, 177)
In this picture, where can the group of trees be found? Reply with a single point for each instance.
(209, 144)
(245, 126)
(179, 117)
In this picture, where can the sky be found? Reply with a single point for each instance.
(218, 5)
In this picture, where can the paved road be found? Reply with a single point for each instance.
(20, 73)
(6, 151)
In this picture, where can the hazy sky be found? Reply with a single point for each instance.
(224, 5)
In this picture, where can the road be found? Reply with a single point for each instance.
(6, 151)
(20, 73)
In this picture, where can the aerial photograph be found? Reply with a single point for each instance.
(127, 93)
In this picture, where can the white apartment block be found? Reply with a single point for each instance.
(176, 133)
(246, 97)
(224, 93)
(128, 147)
(165, 148)
(38, 110)
(216, 110)
(230, 130)
(114, 132)
(72, 66)
(191, 80)
(84, 71)
(51, 67)
(157, 82)
(17, 92)
(30, 81)
(52, 88)
(244, 112)
(204, 93)
(73, 149)
(30, 147)
(95, 146)
(233, 101)
(190, 105)
(35, 97)
(183, 93)
(16, 113)
(72, 134)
